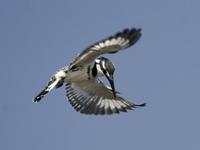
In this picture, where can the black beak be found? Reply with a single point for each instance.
(111, 81)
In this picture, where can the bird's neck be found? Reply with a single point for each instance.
(96, 70)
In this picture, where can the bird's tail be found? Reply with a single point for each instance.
(41, 95)
(56, 81)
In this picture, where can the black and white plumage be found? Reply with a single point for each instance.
(85, 92)
(93, 97)
(55, 81)
(112, 44)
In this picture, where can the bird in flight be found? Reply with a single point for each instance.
(84, 90)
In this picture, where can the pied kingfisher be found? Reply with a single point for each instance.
(85, 92)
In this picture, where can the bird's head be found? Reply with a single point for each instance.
(107, 68)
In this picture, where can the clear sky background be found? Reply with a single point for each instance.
(37, 37)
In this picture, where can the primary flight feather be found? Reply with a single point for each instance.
(85, 92)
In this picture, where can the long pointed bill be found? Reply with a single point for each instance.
(111, 81)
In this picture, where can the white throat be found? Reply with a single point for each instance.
(99, 70)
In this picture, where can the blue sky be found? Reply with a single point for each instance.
(162, 69)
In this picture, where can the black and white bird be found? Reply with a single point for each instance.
(84, 90)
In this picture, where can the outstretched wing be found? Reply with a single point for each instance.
(93, 97)
(112, 44)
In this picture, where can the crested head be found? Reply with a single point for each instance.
(104, 66)
(107, 68)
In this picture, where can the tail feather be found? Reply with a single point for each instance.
(41, 95)
(56, 81)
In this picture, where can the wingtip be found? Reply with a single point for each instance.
(139, 29)
(140, 105)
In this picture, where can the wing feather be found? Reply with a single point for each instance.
(93, 97)
(111, 44)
